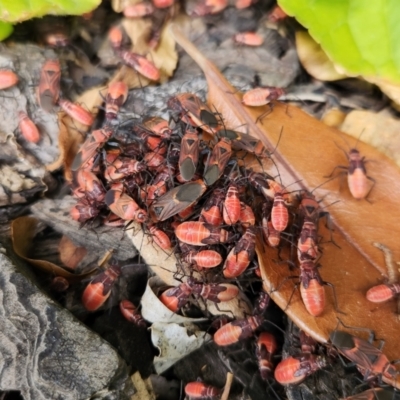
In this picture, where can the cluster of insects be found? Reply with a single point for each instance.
(187, 183)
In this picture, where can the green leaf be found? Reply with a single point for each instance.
(5, 30)
(21, 10)
(358, 35)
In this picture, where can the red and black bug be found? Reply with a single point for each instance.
(261, 96)
(191, 110)
(98, 290)
(76, 112)
(131, 313)
(48, 90)
(90, 147)
(197, 233)
(201, 391)
(266, 348)
(189, 155)
(370, 361)
(202, 258)
(217, 162)
(241, 255)
(140, 64)
(28, 129)
(231, 206)
(116, 97)
(294, 370)
(212, 209)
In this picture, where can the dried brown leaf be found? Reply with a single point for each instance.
(23, 230)
(306, 153)
(70, 254)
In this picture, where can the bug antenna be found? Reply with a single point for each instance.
(322, 184)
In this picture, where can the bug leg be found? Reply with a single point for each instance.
(334, 298)
(264, 114)
(334, 169)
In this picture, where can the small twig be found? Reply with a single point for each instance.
(227, 388)
(391, 269)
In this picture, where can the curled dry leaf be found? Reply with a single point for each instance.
(175, 342)
(306, 153)
(23, 230)
(164, 265)
(314, 59)
(144, 388)
(70, 254)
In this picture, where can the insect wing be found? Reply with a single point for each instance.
(87, 151)
(189, 155)
(177, 200)
(48, 90)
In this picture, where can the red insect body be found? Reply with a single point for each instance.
(153, 160)
(261, 96)
(131, 313)
(216, 292)
(121, 168)
(115, 36)
(89, 148)
(272, 237)
(90, 187)
(307, 243)
(189, 155)
(163, 3)
(240, 4)
(186, 213)
(193, 111)
(249, 39)
(240, 257)
(140, 64)
(116, 97)
(28, 129)
(76, 112)
(48, 91)
(138, 10)
(231, 208)
(99, 289)
(114, 221)
(201, 391)
(211, 212)
(158, 126)
(176, 297)
(279, 213)
(384, 292)
(83, 211)
(198, 233)
(237, 330)
(57, 39)
(266, 348)
(370, 361)
(124, 206)
(357, 176)
(7, 79)
(294, 370)
(218, 160)
(311, 287)
(160, 238)
(247, 217)
(203, 258)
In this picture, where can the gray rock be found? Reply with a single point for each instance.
(46, 353)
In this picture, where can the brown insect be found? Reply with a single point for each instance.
(193, 111)
(7, 79)
(189, 155)
(176, 200)
(140, 64)
(308, 241)
(116, 97)
(28, 129)
(76, 112)
(84, 211)
(158, 126)
(89, 187)
(198, 233)
(217, 162)
(48, 91)
(249, 39)
(90, 147)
